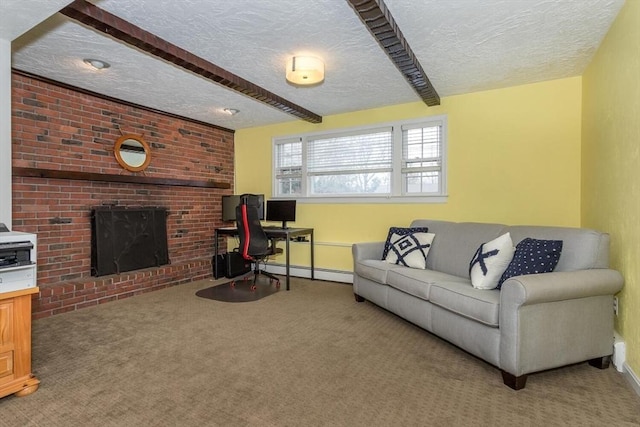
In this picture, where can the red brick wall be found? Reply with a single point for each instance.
(62, 129)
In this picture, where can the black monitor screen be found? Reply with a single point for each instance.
(281, 210)
(229, 204)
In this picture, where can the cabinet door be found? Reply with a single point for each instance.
(6, 341)
(6, 365)
(6, 326)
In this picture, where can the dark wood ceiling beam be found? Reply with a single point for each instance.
(375, 15)
(118, 28)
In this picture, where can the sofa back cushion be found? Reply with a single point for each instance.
(582, 248)
(455, 243)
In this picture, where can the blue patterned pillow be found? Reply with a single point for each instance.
(533, 256)
(410, 250)
(401, 231)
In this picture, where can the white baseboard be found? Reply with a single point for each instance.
(633, 378)
(319, 273)
(619, 361)
(619, 352)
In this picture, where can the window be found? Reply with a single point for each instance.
(345, 164)
(421, 159)
(288, 167)
(404, 159)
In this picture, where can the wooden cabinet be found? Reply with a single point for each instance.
(15, 343)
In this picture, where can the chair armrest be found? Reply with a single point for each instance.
(367, 250)
(559, 286)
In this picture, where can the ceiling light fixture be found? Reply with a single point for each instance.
(231, 111)
(305, 70)
(97, 64)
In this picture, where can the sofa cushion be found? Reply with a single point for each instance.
(418, 282)
(409, 249)
(374, 269)
(533, 256)
(455, 243)
(581, 248)
(400, 231)
(490, 261)
(460, 298)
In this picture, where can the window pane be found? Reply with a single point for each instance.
(288, 167)
(367, 151)
(421, 158)
(423, 182)
(361, 183)
(289, 154)
(290, 187)
(421, 143)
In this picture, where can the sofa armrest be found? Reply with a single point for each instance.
(559, 286)
(367, 250)
(555, 319)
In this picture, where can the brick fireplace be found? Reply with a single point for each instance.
(67, 136)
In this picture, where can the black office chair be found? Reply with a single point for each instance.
(254, 243)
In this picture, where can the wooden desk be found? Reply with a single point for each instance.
(15, 343)
(277, 233)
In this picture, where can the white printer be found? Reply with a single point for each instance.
(17, 260)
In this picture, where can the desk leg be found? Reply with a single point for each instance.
(215, 254)
(287, 261)
(312, 267)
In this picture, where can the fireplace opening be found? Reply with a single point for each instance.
(126, 239)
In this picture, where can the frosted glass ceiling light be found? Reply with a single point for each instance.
(305, 70)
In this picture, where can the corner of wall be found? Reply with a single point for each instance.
(5, 133)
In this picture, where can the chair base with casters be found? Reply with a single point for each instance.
(256, 272)
(272, 250)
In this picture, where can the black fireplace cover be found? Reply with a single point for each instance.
(126, 239)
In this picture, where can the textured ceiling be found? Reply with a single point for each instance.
(463, 46)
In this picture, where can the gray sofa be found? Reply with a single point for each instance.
(535, 322)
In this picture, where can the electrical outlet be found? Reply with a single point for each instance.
(616, 305)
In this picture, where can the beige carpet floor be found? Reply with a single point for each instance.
(308, 357)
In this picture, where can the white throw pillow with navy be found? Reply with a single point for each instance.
(409, 249)
(490, 261)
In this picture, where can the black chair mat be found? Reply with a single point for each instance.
(240, 292)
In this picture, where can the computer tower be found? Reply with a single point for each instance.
(219, 264)
(236, 265)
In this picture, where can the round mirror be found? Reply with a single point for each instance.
(132, 152)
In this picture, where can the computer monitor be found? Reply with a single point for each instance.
(281, 210)
(229, 204)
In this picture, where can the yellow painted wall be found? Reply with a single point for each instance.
(513, 157)
(611, 161)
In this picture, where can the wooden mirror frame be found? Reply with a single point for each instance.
(118, 147)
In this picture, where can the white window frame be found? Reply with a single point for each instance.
(397, 193)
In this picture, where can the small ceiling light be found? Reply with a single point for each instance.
(97, 64)
(305, 70)
(231, 111)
